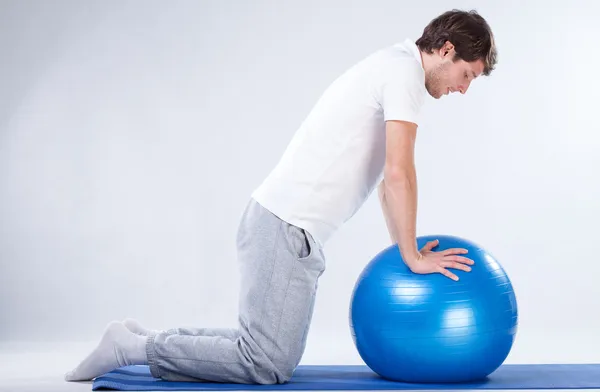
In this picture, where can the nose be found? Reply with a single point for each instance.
(464, 87)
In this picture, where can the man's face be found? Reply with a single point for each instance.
(448, 75)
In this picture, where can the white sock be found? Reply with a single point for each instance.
(137, 328)
(118, 347)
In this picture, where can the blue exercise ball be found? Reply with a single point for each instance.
(429, 328)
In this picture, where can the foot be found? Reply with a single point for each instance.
(118, 347)
(135, 327)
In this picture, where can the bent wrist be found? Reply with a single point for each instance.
(411, 258)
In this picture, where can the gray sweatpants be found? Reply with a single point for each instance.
(280, 268)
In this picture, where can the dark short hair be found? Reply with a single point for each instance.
(469, 33)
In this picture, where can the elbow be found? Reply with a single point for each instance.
(395, 175)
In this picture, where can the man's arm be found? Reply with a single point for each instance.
(398, 190)
(386, 213)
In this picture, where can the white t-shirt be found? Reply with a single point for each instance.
(335, 159)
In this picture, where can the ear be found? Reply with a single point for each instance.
(447, 50)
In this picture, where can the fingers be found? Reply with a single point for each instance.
(430, 245)
(454, 251)
(455, 265)
(459, 259)
(447, 273)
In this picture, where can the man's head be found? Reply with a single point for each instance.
(456, 47)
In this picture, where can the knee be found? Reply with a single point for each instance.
(264, 369)
(271, 374)
(281, 371)
(286, 372)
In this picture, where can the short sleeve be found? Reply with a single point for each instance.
(403, 94)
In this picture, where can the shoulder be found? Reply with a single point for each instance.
(403, 67)
(400, 66)
(399, 87)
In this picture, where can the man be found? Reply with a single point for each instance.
(360, 133)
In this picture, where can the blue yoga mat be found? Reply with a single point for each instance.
(360, 377)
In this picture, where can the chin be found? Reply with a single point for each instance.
(436, 94)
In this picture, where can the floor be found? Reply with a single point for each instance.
(40, 367)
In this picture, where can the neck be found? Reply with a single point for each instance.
(427, 61)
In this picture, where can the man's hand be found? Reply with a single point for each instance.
(437, 262)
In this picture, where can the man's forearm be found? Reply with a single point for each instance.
(386, 213)
(400, 196)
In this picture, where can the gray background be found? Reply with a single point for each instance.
(132, 133)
